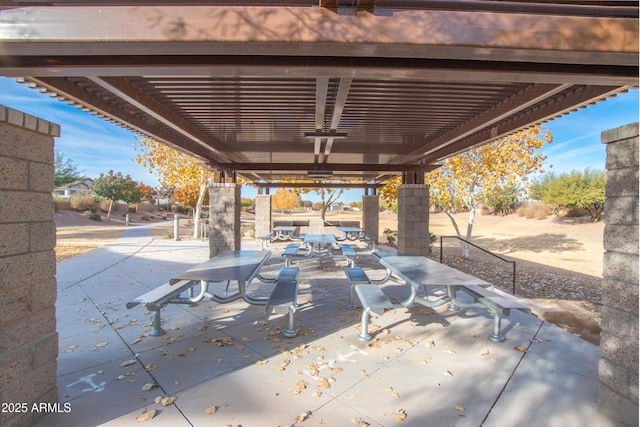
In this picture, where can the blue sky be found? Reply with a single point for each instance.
(96, 146)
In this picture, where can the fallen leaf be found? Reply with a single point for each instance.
(151, 367)
(128, 362)
(359, 422)
(146, 416)
(148, 387)
(396, 395)
(460, 408)
(521, 348)
(211, 410)
(324, 383)
(448, 373)
(136, 341)
(303, 416)
(400, 415)
(389, 389)
(101, 344)
(430, 344)
(485, 352)
(167, 400)
(449, 351)
(364, 373)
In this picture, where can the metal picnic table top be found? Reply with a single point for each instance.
(230, 265)
(421, 271)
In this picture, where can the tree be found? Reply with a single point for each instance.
(577, 190)
(146, 192)
(463, 178)
(502, 199)
(65, 172)
(188, 196)
(114, 187)
(327, 197)
(284, 199)
(175, 169)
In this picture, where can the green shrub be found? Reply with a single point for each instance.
(95, 217)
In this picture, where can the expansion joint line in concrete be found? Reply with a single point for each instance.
(524, 353)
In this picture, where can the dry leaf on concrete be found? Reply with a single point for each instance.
(324, 383)
(211, 410)
(148, 387)
(167, 400)
(460, 409)
(303, 416)
(400, 415)
(146, 416)
(128, 362)
(521, 348)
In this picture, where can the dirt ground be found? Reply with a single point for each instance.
(559, 260)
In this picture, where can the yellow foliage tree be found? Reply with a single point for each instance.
(284, 199)
(464, 177)
(175, 169)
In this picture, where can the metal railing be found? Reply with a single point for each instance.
(513, 283)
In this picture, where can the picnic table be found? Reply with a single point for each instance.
(422, 272)
(283, 232)
(239, 266)
(318, 242)
(351, 233)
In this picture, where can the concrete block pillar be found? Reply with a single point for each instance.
(224, 218)
(619, 337)
(28, 337)
(413, 219)
(370, 216)
(263, 214)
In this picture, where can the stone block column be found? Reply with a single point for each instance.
(224, 218)
(371, 216)
(619, 336)
(413, 219)
(28, 337)
(263, 214)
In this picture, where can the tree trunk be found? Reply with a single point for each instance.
(109, 210)
(197, 213)
(464, 246)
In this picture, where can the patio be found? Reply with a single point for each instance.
(424, 367)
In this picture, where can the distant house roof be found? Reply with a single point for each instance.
(81, 185)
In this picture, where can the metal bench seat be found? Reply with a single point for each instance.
(290, 252)
(499, 306)
(349, 253)
(157, 298)
(356, 276)
(374, 302)
(284, 297)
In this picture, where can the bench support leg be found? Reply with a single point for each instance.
(290, 332)
(157, 329)
(351, 305)
(496, 335)
(364, 326)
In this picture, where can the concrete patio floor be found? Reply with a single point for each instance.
(424, 367)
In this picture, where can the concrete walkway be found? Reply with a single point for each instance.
(229, 364)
